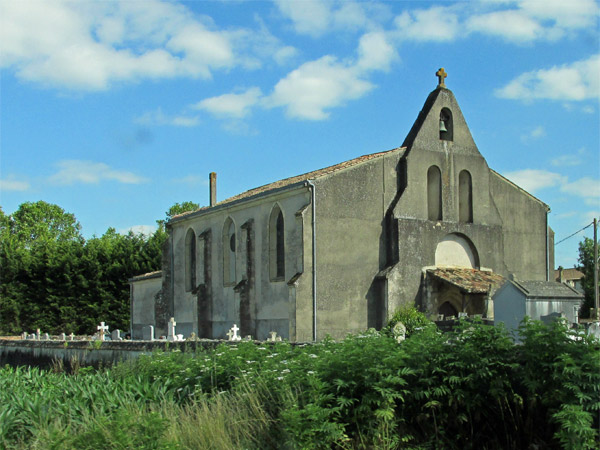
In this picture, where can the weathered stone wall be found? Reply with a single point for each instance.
(254, 298)
(524, 228)
(144, 292)
(351, 207)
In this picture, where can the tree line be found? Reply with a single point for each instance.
(55, 280)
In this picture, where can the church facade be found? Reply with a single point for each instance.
(339, 249)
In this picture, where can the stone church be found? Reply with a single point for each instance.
(339, 249)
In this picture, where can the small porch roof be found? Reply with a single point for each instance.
(469, 281)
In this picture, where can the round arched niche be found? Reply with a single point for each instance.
(456, 250)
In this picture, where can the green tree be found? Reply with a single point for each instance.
(586, 265)
(34, 222)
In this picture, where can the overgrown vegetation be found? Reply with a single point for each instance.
(470, 388)
(55, 280)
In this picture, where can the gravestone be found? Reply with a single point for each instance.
(116, 335)
(192, 337)
(46, 337)
(273, 337)
(71, 337)
(399, 332)
(24, 335)
(171, 330)
(102, 329)
(148, 333)
(594, 330)
(232, 334)
(62, 337)
(32, 336)
(462, 315)
(38, 334)
(440, 317)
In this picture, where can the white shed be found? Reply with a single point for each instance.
(540, 300)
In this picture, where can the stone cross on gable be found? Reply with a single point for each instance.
(232, 334)
(102, 329)
(441, 74)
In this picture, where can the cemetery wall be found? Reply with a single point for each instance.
(44, 354)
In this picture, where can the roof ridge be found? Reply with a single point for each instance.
(294, 179)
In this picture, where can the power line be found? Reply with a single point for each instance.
(571, 235)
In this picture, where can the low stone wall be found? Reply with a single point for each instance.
(45, 354)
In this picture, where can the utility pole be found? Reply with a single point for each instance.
(597, 310)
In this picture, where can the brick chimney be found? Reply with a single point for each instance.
(213, 188)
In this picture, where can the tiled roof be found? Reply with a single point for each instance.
(569, 274)
(547, 289)
(146, 276)
(296, 179)
(470, 281)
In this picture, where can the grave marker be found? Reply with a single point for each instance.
(116, 335)
(102, 329)
(399, 332)
(148, 333)
(232, 334)
(171, 330)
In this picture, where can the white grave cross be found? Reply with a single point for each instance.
(102, 329)
(232, 334)
(171, 333)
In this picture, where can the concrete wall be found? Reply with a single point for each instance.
(143, 296)
(351, 206)
(524, 228)
(509, 306)
(267, 300)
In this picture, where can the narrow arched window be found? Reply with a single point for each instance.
(446, 125)
(190, 260)
(229, 246)
(465, 197)
(276, 245)
(434, 193)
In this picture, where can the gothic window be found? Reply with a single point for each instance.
(446, 125)
(276, 245)
(190, 260)
(465, 197)
(434, 193)
(229, 246)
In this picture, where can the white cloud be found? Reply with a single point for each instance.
(146, 230)
(574, 82)
(513, 25)
(375, 52)
(434, 24)
(317, 17)
(586, 187)
(92, 45)
(310, 17)
(11, 183)
(536, 133)
(231, 105)
(90, 172)
(533, 180)
(192, 180)
(316, 86)
(157, 117)
(572, 14)
(566, 160)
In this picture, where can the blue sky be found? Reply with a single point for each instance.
(117, 110)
